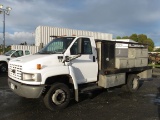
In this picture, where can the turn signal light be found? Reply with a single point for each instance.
(39, 66)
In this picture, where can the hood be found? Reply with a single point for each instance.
(4, 57)
(31, 61)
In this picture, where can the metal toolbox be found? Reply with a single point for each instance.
(141, 62)
(124, 63)
(107, 81)
(121, 52)
(137, 52)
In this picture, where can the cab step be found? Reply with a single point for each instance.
(89, 88)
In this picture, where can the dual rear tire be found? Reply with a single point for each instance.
(132, 84)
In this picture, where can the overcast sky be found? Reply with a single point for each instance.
(118, 17)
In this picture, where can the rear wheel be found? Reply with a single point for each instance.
(132, 84)
(58, 97)
(3, 67)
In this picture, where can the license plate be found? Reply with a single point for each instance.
(12, 86)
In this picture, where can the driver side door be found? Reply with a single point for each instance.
(85, 67)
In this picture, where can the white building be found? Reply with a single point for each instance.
(43, 36)
(43, 33)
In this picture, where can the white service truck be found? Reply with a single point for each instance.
(70, 65)
(4, 59)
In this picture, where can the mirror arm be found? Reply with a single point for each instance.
(75, 57)
(68, 59)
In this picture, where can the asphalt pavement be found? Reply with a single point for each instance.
(111, 104)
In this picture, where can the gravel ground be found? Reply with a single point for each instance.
(112, 104)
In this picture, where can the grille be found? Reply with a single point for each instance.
(15, 71)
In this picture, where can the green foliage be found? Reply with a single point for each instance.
(134, 37)
(141, 38)
(157, 50)
(6, 49)
(150, 44)
(125, 37)
(118, 37)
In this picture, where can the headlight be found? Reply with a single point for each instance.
(31, 77)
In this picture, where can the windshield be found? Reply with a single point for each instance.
(9, 52)
(57, 46)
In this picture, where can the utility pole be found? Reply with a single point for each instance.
(4, 12)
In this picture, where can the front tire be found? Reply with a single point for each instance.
(58, 97)
(3, 67)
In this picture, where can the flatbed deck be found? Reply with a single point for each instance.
(125, 70)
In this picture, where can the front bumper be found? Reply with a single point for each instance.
(27, 91)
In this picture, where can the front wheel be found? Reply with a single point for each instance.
(58, 97)
(3, 67)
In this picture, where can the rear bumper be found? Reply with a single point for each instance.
(27, 91)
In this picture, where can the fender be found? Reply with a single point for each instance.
(53, 71)
(74, 82)
(60, 70)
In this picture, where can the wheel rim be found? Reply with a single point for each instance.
(58, 97)
(135, 83)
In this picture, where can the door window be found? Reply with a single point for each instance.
(86, 47)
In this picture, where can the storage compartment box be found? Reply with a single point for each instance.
(124, 63)
(106, 54)
(137, 52)
(121, 52)
(107, 81)
(141, 62)
(146, 74)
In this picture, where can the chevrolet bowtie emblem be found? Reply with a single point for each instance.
(13, 71)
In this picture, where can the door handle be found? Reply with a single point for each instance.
(94, 59)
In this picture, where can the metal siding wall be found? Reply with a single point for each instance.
(46, 32)
(44, 35)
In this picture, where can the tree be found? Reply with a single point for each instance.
(134, 37)
(8, 48)
(157, 50)
(25, 43)
(118, 37)
(141, 38)
(150, 44)
(125, 37)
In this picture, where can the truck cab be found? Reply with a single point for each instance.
(4, 59)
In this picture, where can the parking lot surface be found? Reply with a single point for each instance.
(111, 104)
